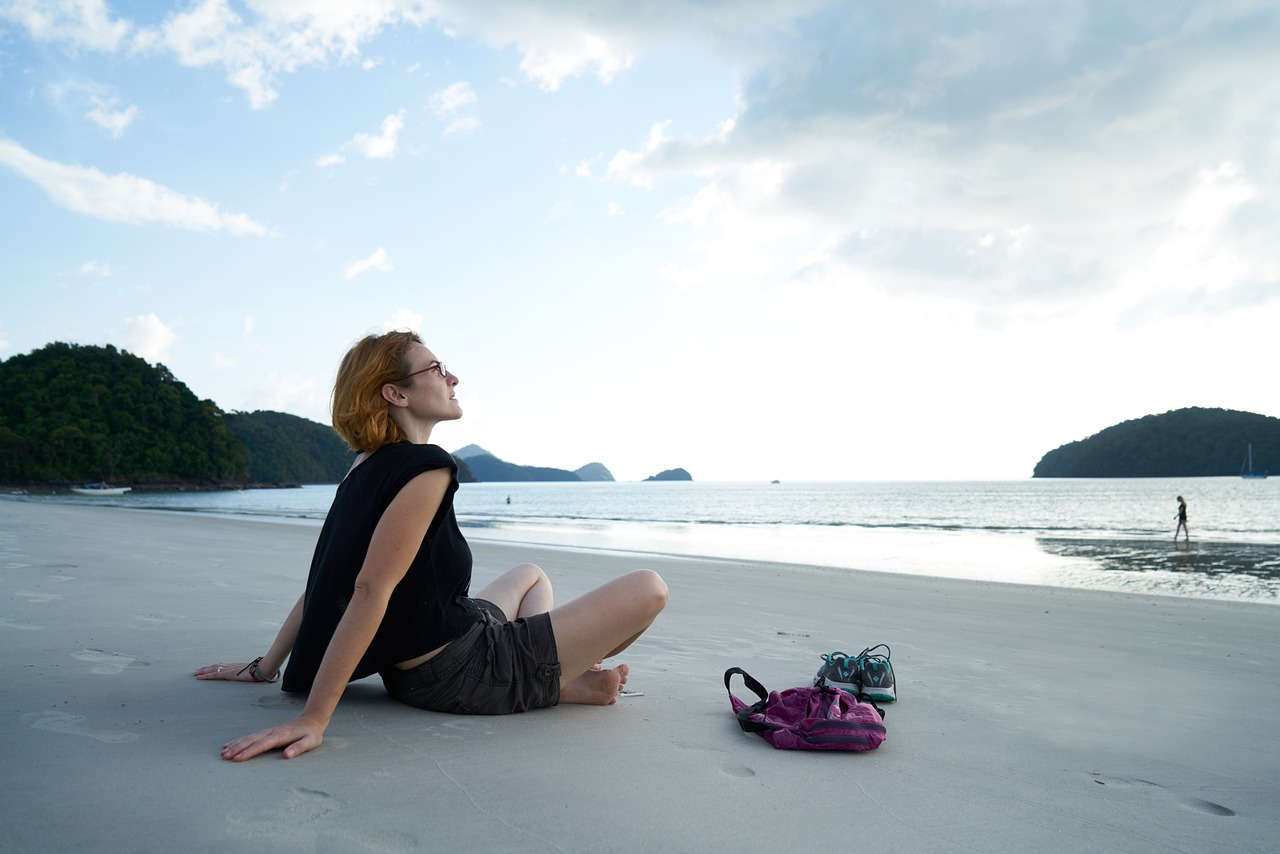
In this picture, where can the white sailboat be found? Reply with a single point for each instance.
(1246, 470)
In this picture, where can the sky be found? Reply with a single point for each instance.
(755, 239)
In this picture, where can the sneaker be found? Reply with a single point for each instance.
(838, 671)
(875, 673)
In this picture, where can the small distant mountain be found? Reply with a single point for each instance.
(670, 474)
(1193, 442)
(487, 468)
(594, 472)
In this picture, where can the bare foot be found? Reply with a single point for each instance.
(596, 687)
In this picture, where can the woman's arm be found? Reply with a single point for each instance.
(238, 671)
(396, 541)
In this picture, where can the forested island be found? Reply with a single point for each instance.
(73, 414)
(487, 468)
(1193, 442)
(670, 474)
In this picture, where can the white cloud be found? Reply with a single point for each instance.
(453, 105)
(123, 197)
(281, 38)
(635, 167)
(107, 116)
(404, 319)
(287, 392)
(94, 268)
(146, 336)
(255, 44)
(452, 99)
(1215, 193)
(1034, 159)
(381, 146)
(80, 23)
(384, 145)
(379, 260)
(550, 62)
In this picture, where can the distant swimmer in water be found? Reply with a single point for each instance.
(1182, 522)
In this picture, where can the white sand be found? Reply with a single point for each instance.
(1029, 719)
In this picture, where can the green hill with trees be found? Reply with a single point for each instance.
(284, 448)
(73, 414)
(81, 413)
(1193, 442)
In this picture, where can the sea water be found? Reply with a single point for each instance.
(1109, 534)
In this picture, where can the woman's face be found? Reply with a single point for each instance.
(431, 396)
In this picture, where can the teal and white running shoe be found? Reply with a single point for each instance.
(875, 673)
(838, 671)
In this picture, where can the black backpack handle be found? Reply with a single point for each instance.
(744, 716)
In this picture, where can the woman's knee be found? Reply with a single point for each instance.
(650, 590)
(528, 574)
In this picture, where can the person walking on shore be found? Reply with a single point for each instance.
(1182, 522)
(389, 586)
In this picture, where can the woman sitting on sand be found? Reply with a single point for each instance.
(388, 590)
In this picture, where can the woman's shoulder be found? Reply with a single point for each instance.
(421, 455)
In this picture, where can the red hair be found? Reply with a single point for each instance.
(361, 415)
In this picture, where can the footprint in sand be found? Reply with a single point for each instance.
(26, 627)
(306, 816)
(738, 771)
(151, 621)
(1185, 801)
(74, 725)
(280, 700)
(107, 663)
(38, 597)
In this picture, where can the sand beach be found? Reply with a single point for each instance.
(1029, 718)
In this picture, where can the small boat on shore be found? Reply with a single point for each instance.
(1246, 470)
(100, 489)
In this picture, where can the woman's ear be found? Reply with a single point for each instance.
(394, 395)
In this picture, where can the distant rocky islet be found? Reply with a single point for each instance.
(485, 467)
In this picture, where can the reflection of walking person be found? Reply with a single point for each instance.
(1182, 522)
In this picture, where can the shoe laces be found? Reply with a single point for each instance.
(870, 654)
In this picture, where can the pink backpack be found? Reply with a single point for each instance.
(813, 718)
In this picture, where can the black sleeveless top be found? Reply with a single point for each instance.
(428, 608)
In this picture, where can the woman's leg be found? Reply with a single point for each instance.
(521, 591)
(601, 624)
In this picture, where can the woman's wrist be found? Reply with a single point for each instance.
(255, 671)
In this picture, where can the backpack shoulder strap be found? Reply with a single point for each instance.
(751, 683)
(744, 716)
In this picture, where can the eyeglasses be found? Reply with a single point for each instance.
(438, 367)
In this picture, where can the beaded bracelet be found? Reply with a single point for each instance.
(255, 673)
